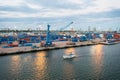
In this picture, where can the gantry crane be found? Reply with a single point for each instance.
(48, 41)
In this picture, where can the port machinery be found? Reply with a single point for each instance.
(48, 42)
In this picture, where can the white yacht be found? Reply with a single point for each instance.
(71, 55)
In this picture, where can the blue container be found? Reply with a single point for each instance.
(97, 35)
(4, 39)
(22, 36)
(22, 42)
(74, 39)
(109, 36)
(0, 40)
(34, 47)
(6, 47)
(83, 38)
(10, 42)
(28, 44)
(11, 38)
(42, 38)
(89, 36)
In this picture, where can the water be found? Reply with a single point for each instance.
(97, 62)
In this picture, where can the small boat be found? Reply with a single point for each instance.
(67, 56)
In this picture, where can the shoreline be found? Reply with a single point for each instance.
(21, 50)
(58, 45)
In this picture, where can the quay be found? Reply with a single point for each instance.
(26, 49)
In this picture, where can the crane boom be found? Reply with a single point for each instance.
(62, 28)
(65, 26)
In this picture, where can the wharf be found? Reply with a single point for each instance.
(58, 45)
(107, 43)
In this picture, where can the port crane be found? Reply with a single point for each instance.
(48, 41)
(62, 28)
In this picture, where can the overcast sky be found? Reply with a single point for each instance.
(102, 14)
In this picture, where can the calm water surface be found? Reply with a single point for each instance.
(97, 62)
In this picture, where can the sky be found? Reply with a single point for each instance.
(36, 14)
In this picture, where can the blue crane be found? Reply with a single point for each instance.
(48, 41)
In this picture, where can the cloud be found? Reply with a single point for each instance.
(11, 3)
(55, 11)
(106, 4)
(55, 8)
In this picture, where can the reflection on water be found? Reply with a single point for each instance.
(97, 57)
(40, 64)
(68, 69)
(50, 65)
(69, 50)
(15, 65)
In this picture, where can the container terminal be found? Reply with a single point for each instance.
(31, 40)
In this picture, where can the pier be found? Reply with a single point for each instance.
(26, 49)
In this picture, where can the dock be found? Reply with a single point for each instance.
(26, 49)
